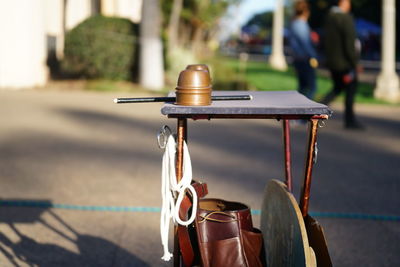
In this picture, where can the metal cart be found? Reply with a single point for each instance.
(283, 106)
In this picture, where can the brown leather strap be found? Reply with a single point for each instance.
(185, 244)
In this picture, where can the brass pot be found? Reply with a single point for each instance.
(194, 86)
(203, 67)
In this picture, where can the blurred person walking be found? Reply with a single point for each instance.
(342, 58)
(302, 50)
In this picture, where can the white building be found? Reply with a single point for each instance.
(31, 29)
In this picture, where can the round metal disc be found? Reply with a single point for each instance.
(285, 235)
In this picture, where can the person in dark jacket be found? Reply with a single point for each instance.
(342, 58)
(302, 50)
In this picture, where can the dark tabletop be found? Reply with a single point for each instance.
(270, 103)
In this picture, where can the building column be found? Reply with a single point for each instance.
(23, 44)
(151, 52)
(277, 58)
(387, 85)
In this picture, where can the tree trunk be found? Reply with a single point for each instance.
(173, 25)
(387, 86)
(61, 39)
(151, 55)
(277, 58)
(198, 42)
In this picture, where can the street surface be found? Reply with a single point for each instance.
(79, 148)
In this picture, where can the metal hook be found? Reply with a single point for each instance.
(163, 135)
(321, 123)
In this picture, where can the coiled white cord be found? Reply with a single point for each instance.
(171, 189)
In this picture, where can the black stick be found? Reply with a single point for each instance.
(173, 99)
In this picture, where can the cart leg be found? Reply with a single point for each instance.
(311, 150)
(182, 133)
(288, 160)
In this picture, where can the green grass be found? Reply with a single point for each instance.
(260, 76)
(229, 74)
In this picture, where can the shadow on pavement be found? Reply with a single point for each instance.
(218, 150)
(355, 172)
(92, 250)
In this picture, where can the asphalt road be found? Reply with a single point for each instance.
(79, 148)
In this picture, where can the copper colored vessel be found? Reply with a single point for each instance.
(194, 86)
(198, 67)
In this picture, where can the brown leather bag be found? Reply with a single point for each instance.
(187, 235)
(226, 236)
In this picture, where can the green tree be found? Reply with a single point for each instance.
(189, 26)
(263, 20)
(198, 21)
(173, 24)
(370, 10)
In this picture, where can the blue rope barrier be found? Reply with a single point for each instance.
(47, 205)
(360, 216)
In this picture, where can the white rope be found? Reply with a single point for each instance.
(171, 190)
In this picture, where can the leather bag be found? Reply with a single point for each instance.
(187, 234)
(226, 236)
